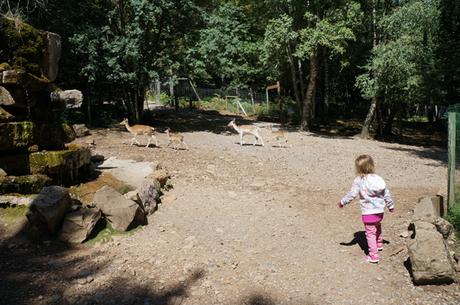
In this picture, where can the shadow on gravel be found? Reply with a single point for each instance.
(186, 120)
(431, 153)
(359, 238)
(263, 299)
(54, 273)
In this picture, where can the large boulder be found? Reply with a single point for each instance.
(161, 175)
(78, 225)
(430, 259)
(81, 130)
(5, 97)
(429, 207)
(5, 116)
(149, 194)
(67, 98)
(16, 135)
(47, 211)
(119, 211)
(64, 166)
(28, 184)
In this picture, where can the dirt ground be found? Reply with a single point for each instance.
(243, 225)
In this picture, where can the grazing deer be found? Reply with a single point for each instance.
(246, 129)
(143, 130)
(174, 138)
(280, 135)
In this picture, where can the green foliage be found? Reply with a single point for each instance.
(453, 216)
(333, 31)
(403, 68)
(227, 50)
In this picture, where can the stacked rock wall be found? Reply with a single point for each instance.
(32, 137)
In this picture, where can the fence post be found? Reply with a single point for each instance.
(452, 156)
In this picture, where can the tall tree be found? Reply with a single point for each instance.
(403, 68)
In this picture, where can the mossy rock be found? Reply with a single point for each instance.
(29, 184)
(16, 135)
(68, 133)
(64, 166)
(22, 45)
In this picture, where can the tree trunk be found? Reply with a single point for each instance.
(308, 108)
(370, 114)
(295, 82)
(369, 118)
(326, 84)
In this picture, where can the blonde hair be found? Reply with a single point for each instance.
(364, 165)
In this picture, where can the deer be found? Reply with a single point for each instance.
(279, 135)
(175, 138)
(137, 130)
(246, 129)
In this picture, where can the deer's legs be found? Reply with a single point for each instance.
(256, 139)
(185, 144)
(241, 139)
(148, 143)
(156, 140)
(134, 140)
(261, 140)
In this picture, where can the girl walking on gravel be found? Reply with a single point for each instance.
(374, 196)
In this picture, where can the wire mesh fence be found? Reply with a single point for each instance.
(185, 89)
(454, 155)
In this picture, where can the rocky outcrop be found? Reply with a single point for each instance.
(161, 175)
(67, 98)
(430, 259)
(148, 194)
(429, 207)
(28, 184)
(5, 97)
(122, 213)
(47, 211)
(5, 116)
(78, 225)
(32, 136)
(81, 130)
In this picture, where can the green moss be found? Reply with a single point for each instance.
(104, 233)
(22, 46)
(12, 214)
(23, 133)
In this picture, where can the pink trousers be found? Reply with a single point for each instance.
(374, 238)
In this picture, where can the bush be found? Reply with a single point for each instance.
(453, 216)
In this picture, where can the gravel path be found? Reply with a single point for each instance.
(254, 225)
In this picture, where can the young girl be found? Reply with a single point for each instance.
(373, 195)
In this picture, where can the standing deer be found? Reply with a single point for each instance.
(246, 129)
(280, 135)
(175, 138)
(143, 130)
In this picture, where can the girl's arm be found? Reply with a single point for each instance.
(352, 193)
(388, 199)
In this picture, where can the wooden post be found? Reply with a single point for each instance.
(266, 96)
(157, 91)
(452, 155)
(252, 100)
(241, 106)
(194, 90)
